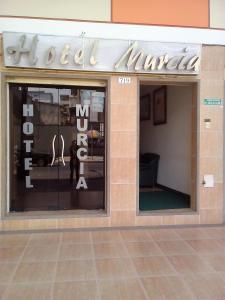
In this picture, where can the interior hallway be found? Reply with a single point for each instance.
(158, 264)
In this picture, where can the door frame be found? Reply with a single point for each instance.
(90, 80)
(182, 80)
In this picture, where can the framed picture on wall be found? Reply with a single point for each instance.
(145, 107)
(160, 106)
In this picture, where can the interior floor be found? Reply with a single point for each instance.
(159, 199)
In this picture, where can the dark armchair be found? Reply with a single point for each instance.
(148, 169)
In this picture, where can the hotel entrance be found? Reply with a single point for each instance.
(168, 151)
(57, 147)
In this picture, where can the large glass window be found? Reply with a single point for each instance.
(57, 148)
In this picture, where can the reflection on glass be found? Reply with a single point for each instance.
(74, 162)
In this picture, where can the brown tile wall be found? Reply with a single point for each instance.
(123, 151)
(211, 140)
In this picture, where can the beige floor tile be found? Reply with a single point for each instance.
(114, 268)
(222, 243)
(73, 270)
(40, 253)
(106, 236)
(29, 291)
(152, 265)
(175, 247)
(129, 289)
(75, 251)
(75, 291)
(166, 288)
(3, 288)
(79, 237)
(109, 250)
(135, 235)
(119, 256)
(34, 272)
(143, 249)
(164, 234)
(10, 254)
(216, 262)
(193, 233)
(6, 271)
(13, 240)
(206, 286)
(215, 232)
(206, 246)
(222, 274)
(44, 239)
(186, 264)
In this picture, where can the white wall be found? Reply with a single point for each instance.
(98, 10)
(217, 13)
(172, 141)
(114, 31)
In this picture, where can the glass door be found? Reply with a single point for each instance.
(34, 148)
(81, 131)
(57, 148)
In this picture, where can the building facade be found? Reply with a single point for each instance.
(88, 90)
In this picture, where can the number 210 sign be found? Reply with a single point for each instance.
(124, 80)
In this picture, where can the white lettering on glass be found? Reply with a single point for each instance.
(28, 129)
(28, 164)
(28, 145)
(81, 168)
(82, 111)
(28, 110)
(82, 139)
(29, 185)
(85, 124)
(81, 183)
(80, 155)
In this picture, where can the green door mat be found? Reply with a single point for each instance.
(162, 200)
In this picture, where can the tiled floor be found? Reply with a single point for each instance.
(141, 264)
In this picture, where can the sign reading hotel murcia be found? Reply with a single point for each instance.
(27, 50)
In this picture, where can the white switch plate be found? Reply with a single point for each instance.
(208, 180)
